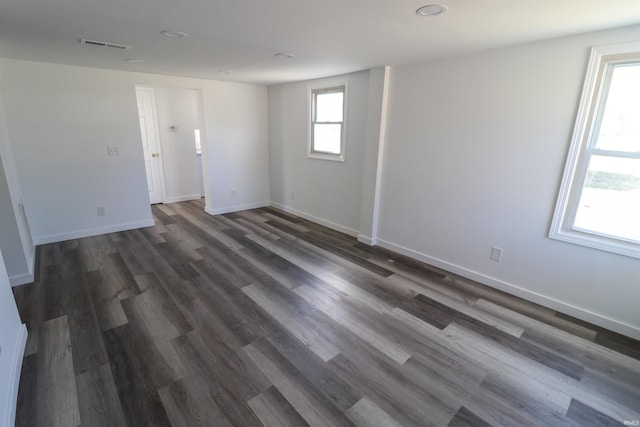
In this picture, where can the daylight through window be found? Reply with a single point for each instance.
(327, 123)
(599, 204)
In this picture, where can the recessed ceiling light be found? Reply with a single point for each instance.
(431, 10)
(174, 34)
(134, 61)
(285, 55)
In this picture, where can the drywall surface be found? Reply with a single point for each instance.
(15, 238)
(325, 190)
(373, 154)
(61, 119)
(9, 235)
(475, 152)
(12, 342)
(235, 146)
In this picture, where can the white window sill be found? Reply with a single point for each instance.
(603, 243)
(326, 156)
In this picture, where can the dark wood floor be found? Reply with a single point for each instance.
(261, 318)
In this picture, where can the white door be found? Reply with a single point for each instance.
(178, 118)
(150, 143)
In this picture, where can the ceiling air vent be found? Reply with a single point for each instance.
(104, 44)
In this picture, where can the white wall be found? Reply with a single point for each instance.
(15, 237)
(327, 191)
(12, 342)
(236, 152)
(9, 235)
(475, 151)
(374, 154)
(62, 118)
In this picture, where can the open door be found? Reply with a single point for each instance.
(150, 142)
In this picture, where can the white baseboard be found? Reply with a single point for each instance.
(87, 232)
(21, 279)
(317, 220)
(14, 382)
(235, 208)
(554, 304)
(367, 240)
(28, 277)
(182, 198)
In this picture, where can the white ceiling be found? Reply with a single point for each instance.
(329, 37)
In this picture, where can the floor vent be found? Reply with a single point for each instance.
(104, 44)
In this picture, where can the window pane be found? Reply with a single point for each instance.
(620, 127)
(329, 107)
(610, 199)
(326, 138)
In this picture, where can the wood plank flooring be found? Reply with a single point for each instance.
(262, 318)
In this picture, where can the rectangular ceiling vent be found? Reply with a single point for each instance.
(104, 44)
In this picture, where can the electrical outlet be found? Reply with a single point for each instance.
(293, 195)
(496, 254)
(113, 151)
(233, 192)
(101, 211)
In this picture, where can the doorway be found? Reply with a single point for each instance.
(170, 129)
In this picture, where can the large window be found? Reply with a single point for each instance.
(599, 201)
(327, 123)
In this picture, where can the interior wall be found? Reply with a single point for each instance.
(374, 154)
(235, 146)
(15, 236)
(12, 342)
(323, 190)
(61, 119)
(9, 235)
(475, 152)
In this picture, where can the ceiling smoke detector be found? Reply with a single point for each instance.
(104, 44)
(431, 10)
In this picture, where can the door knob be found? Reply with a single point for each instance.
(154, 155)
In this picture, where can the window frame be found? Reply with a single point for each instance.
(327, 87)
(602, 59)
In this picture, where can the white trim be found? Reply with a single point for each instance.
(21, 279)
(554, 304)
(87, 232)
(367, 240)
(183, 198)
(14, 382)
(561, 224)
(326, 156)
(235, 208)
(317, 220)
(29, 276)
(596, 242)
(381, 151)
